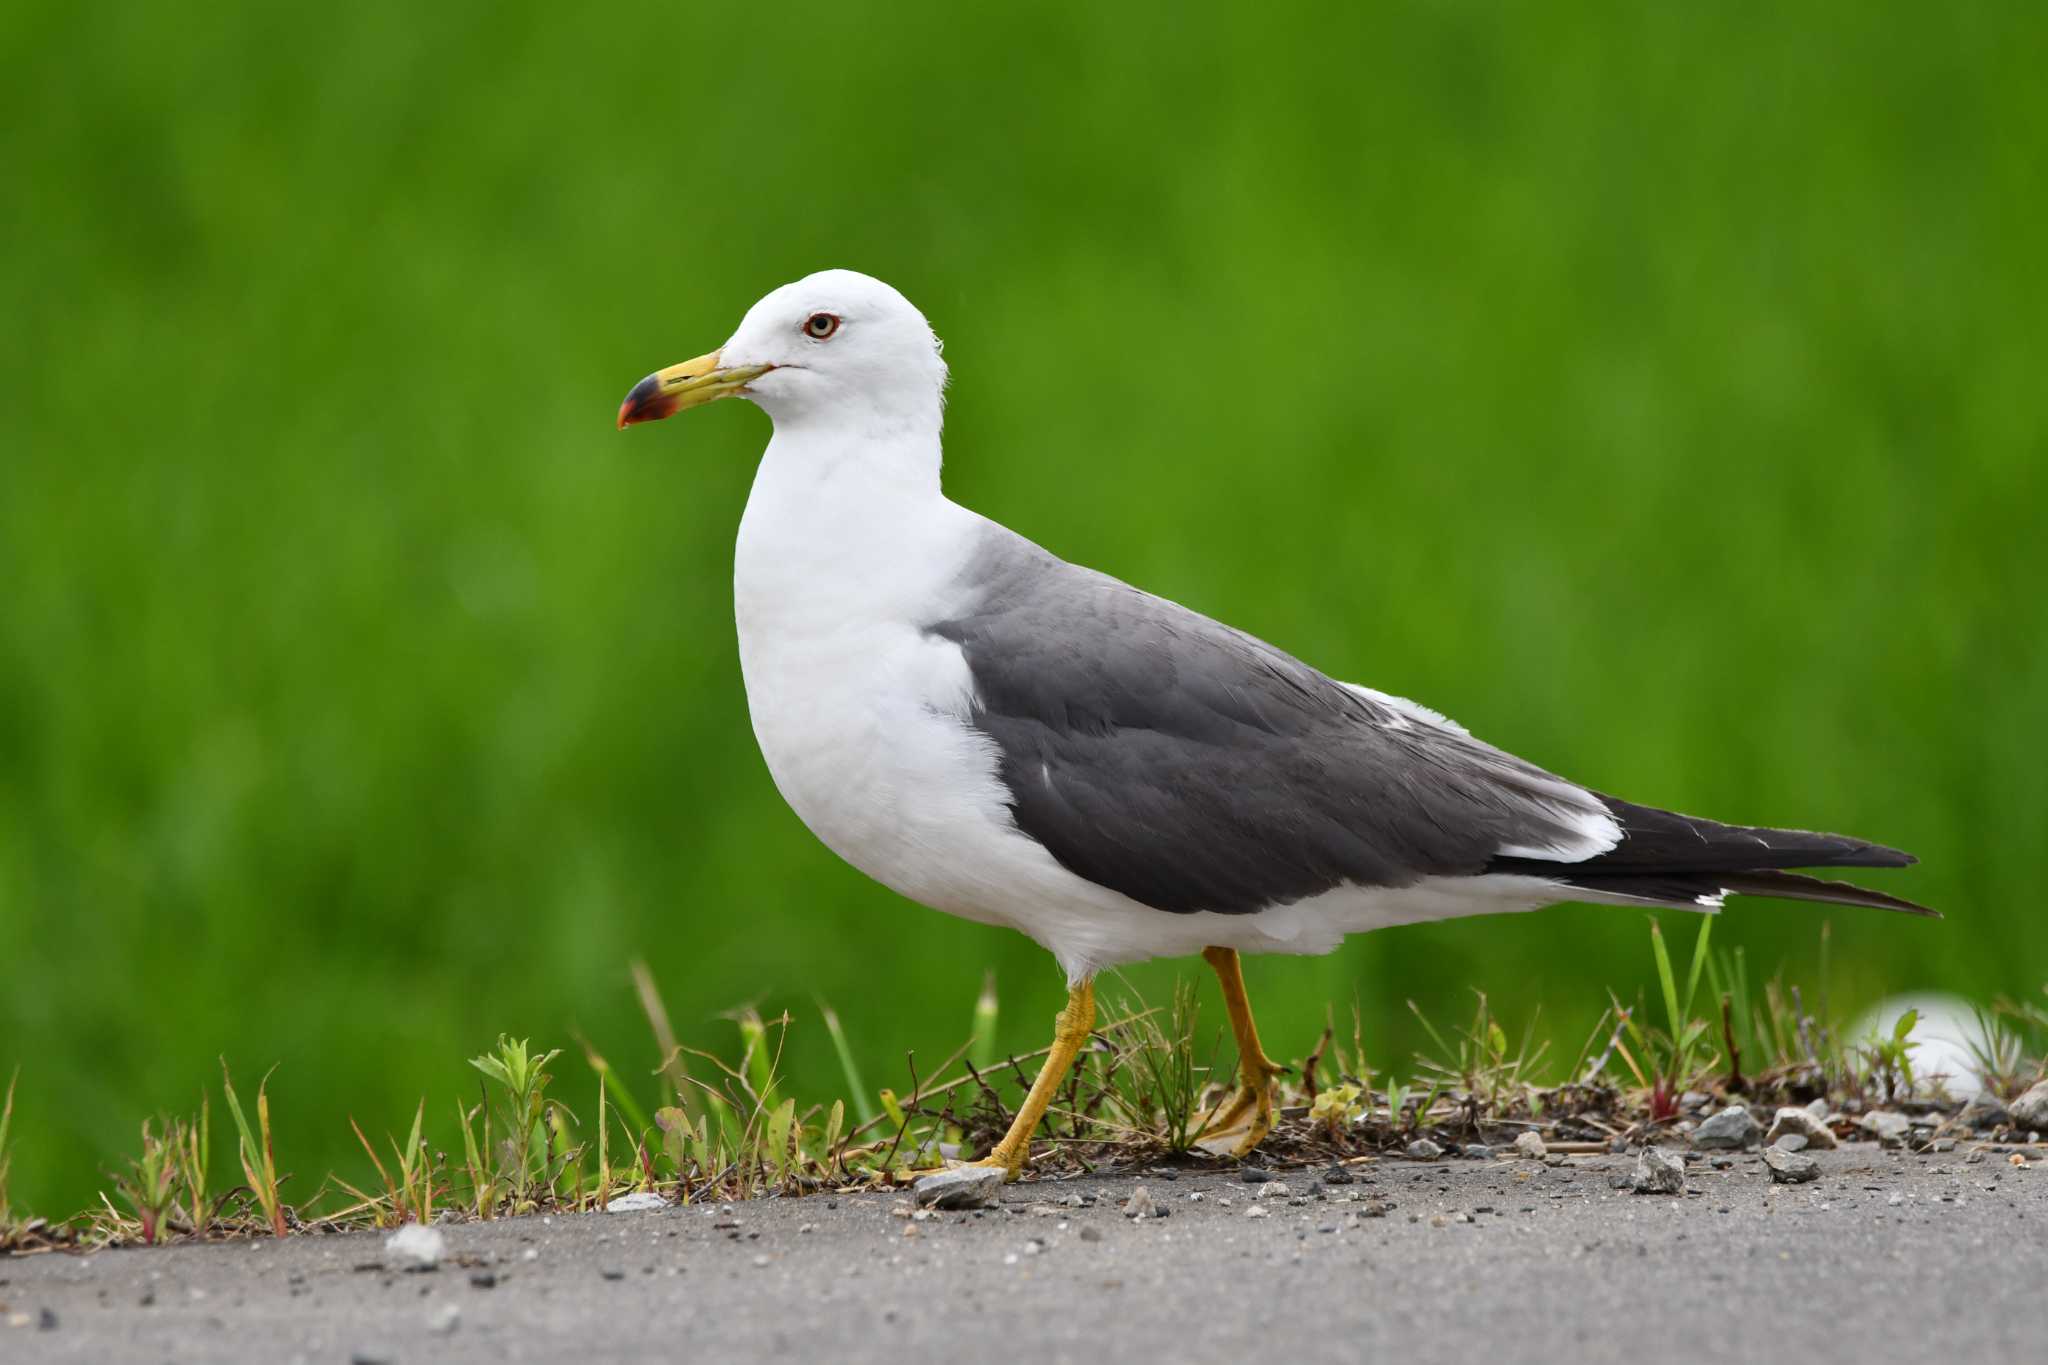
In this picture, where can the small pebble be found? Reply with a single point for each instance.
(1730, 1129)
(1790, 1168)
(1657, 1172)
(640, 1201)
(963, 1187)
(1803, 1123)
(415, 1247)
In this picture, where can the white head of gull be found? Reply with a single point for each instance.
(1004, 736)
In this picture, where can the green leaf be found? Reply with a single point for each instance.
(780, 1122)
(1904, 1027)
(835, 1125)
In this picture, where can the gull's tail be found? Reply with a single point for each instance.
(1665, 858)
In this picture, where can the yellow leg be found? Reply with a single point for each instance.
(1251, 1109)
(1069, 1035)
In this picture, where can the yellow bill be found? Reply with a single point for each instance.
(688, 385)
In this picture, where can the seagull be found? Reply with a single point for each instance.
(1001, 735)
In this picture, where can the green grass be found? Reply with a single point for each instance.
(1139, 1093)
(1654, 388)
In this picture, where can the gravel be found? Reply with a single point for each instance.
(1790, 1168)
(1730, 1130)
(962, 1187)
(640, 1201)
(2030, 1110)
(1422, 1149)
(1657, 1172)
(415, 1247)
(1801, 1123)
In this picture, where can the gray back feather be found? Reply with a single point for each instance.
(1193, 767)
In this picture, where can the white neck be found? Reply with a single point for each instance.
(843, 528)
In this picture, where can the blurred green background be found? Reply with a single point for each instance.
(1656, 388)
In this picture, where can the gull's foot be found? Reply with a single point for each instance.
(1242, 1124)
(1011, 1169)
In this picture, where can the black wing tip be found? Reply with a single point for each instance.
(1799, 887)
(1874, 855)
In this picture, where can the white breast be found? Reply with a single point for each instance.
(860, 714)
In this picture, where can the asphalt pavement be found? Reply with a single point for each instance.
(1886, 1257)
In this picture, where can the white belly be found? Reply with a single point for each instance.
(860, 714)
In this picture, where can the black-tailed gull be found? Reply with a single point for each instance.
(1007, 737)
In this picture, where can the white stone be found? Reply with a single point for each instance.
(640, 1201)
(963, 1187)
(415, 1247)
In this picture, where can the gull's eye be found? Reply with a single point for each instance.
(818, 326)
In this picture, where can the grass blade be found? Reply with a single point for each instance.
(6, 1122)
(981, 1048)
(1666, 980)
(863, 1107)
(1699, 962)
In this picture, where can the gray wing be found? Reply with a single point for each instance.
(1192, 767)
